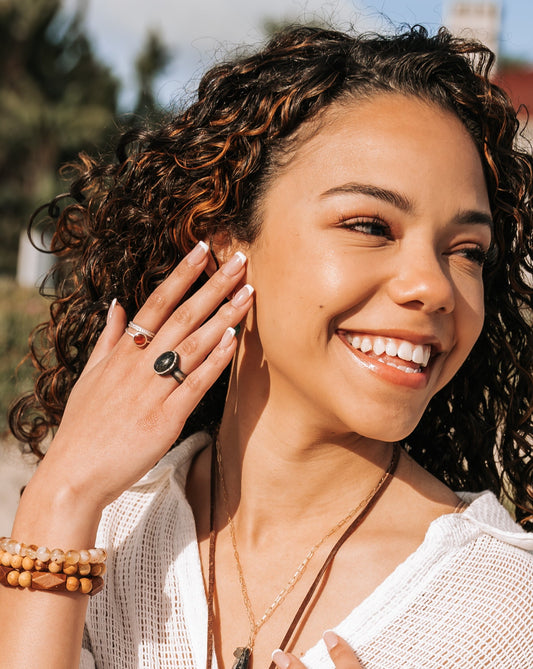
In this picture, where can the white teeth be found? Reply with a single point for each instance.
(391, 349)
(417, 353)
(366, 345)
(405, 351)
(379, 346)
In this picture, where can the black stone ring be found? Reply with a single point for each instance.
(168, 363)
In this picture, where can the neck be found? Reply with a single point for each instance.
(281, 467)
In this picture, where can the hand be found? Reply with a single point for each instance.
(340, 652)
(121, 417)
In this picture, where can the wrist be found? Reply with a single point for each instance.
(56, 513)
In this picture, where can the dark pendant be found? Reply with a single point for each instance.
(242, 654)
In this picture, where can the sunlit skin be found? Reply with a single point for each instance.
(333, 259)
(377, 226)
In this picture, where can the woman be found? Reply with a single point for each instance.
(369, 190)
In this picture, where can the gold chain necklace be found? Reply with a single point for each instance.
(243, 653)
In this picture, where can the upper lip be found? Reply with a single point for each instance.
(416, 338)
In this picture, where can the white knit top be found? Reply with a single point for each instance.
(463, 599)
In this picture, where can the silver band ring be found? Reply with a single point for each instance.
(138, 328)
(168, 363)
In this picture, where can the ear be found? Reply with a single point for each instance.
(221, 248)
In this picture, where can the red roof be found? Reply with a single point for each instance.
(518, 82)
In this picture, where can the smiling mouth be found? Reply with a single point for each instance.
(398, 353)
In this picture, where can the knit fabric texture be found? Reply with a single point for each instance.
(464, 598)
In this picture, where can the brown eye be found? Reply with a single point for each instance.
(368, 226)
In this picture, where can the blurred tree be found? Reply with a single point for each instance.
(56, 99)
(152, 60)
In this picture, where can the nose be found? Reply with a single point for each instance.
(422, 282)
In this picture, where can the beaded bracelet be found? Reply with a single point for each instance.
(43, 580)
(40, 568)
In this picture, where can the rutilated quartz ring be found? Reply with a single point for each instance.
(168, 363)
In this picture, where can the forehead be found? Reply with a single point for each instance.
(393, 141)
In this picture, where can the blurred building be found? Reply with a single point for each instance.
(482, 20)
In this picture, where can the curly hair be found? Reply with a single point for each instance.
(131, 219)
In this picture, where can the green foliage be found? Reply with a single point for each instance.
(20, 311)
(56, 99)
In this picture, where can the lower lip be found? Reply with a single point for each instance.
(389, 373)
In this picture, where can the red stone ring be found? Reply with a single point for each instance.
(141, 337)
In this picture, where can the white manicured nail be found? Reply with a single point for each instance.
(111, 309)
(227, 338)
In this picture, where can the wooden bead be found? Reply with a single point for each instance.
(16, 561)
(6, 559)
(97, 569)
(98, 585)
(86, 585)
(70, 569)
(72, 584)
(28, 564)
(25, 579)
(84, 569)
(39, 565)
(13, 578)
(44, 580)
(54, 567)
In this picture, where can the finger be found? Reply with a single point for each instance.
(195, 310)
(161, 304)
(111, 334)
(195, 348)
(286, 660)
(340, 651)
(189, 393)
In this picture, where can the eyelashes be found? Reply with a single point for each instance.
(376, 227)
(373, 226)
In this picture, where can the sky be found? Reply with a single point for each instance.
(198, 32)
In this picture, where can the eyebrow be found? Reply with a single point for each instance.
(400, 201)
(386, 195)
(475, 217)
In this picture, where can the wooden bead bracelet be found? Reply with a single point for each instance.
(44, 580)
(40, 568)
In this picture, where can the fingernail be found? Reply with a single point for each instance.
(198, 253)
(281, 659)
(234, 264)
(330, 639)
(227, 338)
(111, 309)
(242, 296)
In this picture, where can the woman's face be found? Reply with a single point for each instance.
(368, 267)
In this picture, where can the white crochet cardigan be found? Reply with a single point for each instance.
(463, 599)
